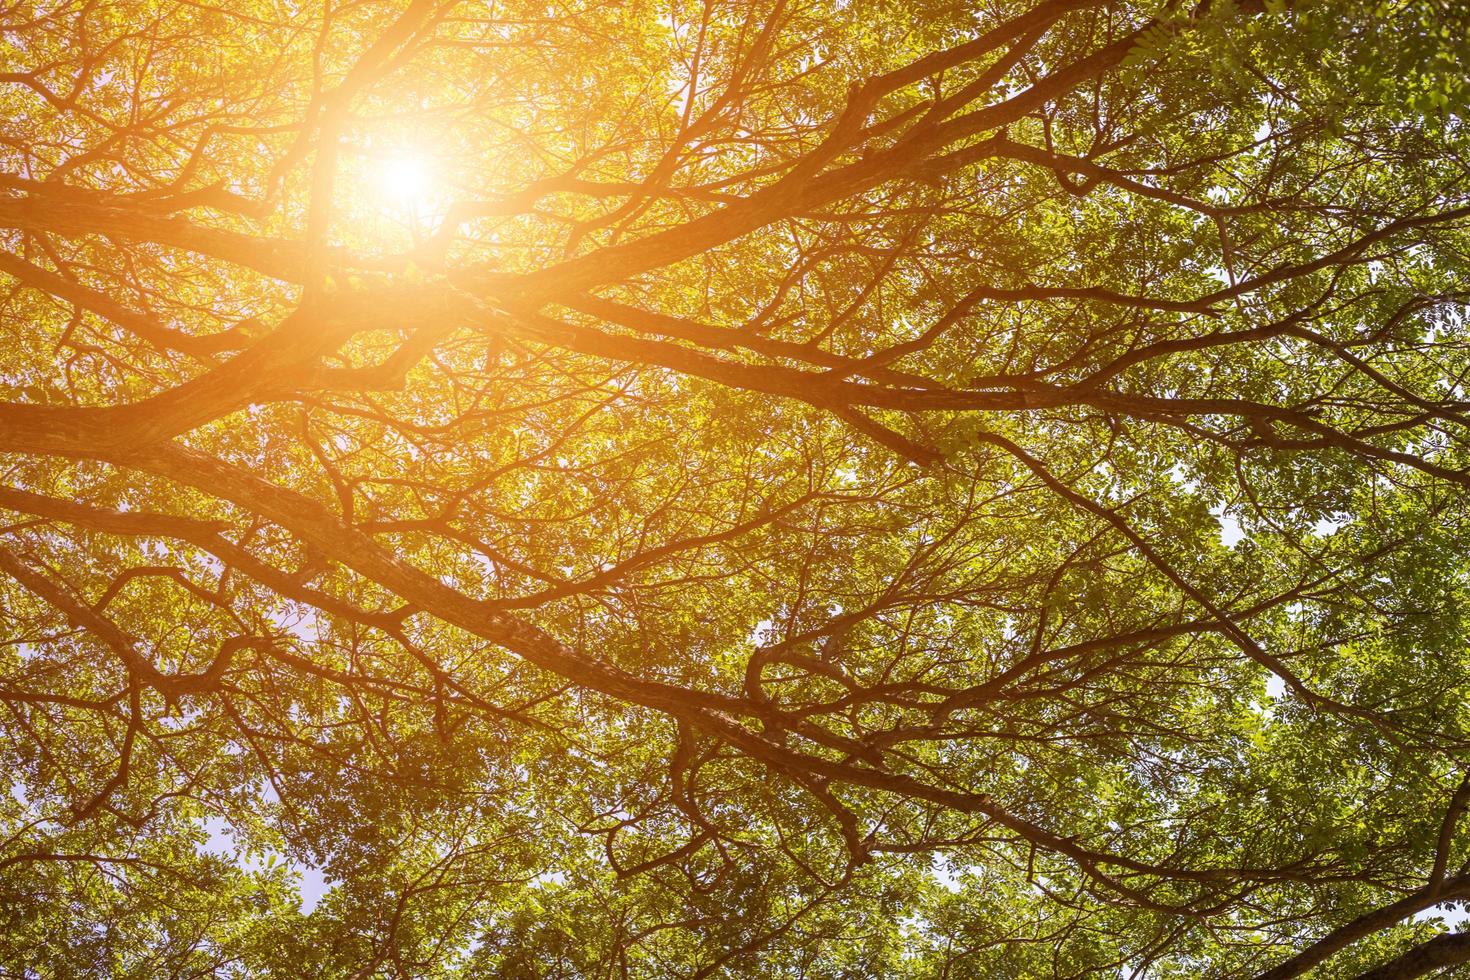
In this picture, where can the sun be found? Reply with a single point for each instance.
(404, 179)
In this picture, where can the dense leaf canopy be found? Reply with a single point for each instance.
(710, 488)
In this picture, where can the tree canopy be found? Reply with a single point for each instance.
(734, 488)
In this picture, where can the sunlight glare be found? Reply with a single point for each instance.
(405, 179)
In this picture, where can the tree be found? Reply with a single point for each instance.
(812, 488)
